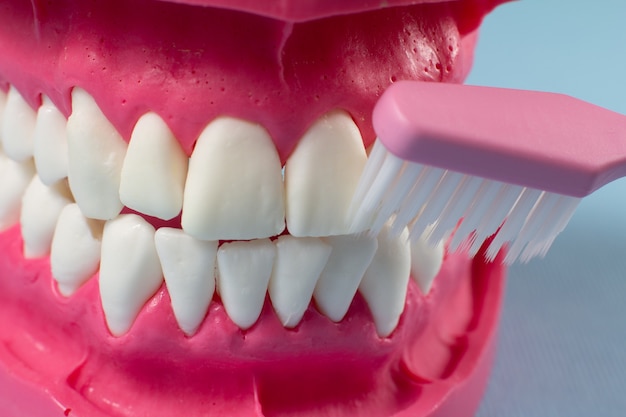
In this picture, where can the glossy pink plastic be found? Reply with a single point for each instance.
(546, 141)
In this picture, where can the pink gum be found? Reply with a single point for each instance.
(192, 64)
(63, 349)
(20, 398)
(303, 10)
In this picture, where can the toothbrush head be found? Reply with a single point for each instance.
(478, 161)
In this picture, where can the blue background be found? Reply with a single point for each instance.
(562, 344)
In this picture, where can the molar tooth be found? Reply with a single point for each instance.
(14, 178)
(41, 206)
(130, 272)
(75, 251)
(18, 123)
(244, 270)
(50, 143)
(154, 170)
(426, 261)
(321, 176)
(299, 262)
(96, 154)
(188, 266)
(340, 279)
(384, 284)
(234, 188)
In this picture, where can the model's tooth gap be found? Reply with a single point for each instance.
(71, 183)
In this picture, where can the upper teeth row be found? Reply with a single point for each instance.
(231, 188)
(233, 168)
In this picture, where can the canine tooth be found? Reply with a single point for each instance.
(18, 123)
(299, 262)
(41, 206)
(96, 153)
(234, 188)
(154, 170)
(321, 176)
(130, 272)
(50, 143)
(75, 251)
(384, 284)
(188, 267)
(244, 270)
(426, 261)
(340, 279)
(14, 178)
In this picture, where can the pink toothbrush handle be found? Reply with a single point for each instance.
(546, 141)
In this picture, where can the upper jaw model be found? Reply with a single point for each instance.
(175, 181)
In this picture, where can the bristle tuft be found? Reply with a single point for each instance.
(433, 202)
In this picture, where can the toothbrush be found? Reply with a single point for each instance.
(481, 160)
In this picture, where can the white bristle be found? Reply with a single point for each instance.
(553, 224)
(495, 215)
(514, 221)
(455, 208)
(528, 232)
(433, 201)
(370, 189)
(436, 203)
(414, 202)
(481, 202)
(409, 175)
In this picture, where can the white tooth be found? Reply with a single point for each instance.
(154, 171)
(234, 187)
(3, 103)
(338, 283)
(188, 267)
(299, 262)
(96, 154)
(14, 178)
(50, 143)
(384, 284)
(41, 206)
(321, 176)
(18, 123)
(244, 272)
(130, 272)
(75, 251)
(426, 261)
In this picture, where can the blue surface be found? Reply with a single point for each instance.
(562, 344)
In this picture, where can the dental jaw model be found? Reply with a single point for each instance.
(174, 204)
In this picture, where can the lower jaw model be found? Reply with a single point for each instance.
(175, 182)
